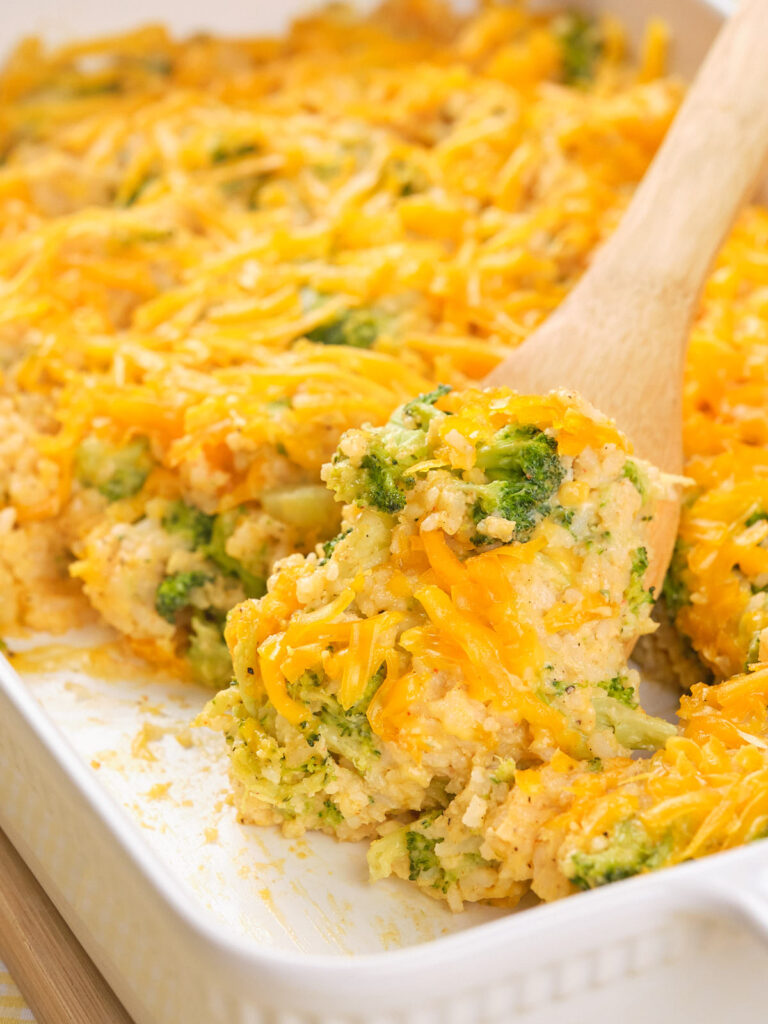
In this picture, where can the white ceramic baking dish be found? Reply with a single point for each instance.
(122, 813)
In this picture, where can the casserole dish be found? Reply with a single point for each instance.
(181, 939)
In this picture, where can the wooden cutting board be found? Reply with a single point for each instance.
(52, 970)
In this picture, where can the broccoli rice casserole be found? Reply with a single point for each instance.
(249, 290)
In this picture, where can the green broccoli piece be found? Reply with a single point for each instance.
(190, 523)
(330, 814)
(581, 46)
(356, 328)
(756, 517)
(504, 770)
(629, 852)
(753, 651)
(383, 853)
(632, 727)
(411, 852)
(207, 652)
(421, 411)
(636, 594)
(382, 491)
(525, 473)
(381, 480)
(224, 151)
(504, 500)
(208, 535)
(404, 178)
(114, 472)
(216, 549)
(674, 590)
(245, 189)
(633, 474)
(347, 733)
(521, 453)
(619, 690)
(173, 593)
(422, 859)
(330, 545)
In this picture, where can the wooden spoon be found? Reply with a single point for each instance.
(46, 961)
(620, 337)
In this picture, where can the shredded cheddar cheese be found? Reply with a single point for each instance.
(231, 251)
(720, 575)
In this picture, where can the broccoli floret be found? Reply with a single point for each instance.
(382, 491)
(632, 727)
(412, 852)
(174, 592)
(356, 328)
(525, 472)
(330, 814)
(381, 479)
(632, 473)
(620, 690)
(520, 453)
(581, 45)
(504, 500)
(521, 464)
(422, 858)
(756, 517)
(224, 151)
(421, 410)
(209, 535)
(753, 651)
(629, 852)
(404, 177)
(504, 770)
(216, 550)
(207, 652)
(675, 591)
(330, 545)
(347, 733)
(190, 523)
(114, 472)
(380, 482)
(636, 594)
(383, 853)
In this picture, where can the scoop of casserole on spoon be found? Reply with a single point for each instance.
(621, 335)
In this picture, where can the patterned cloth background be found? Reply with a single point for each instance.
(12, 1006)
